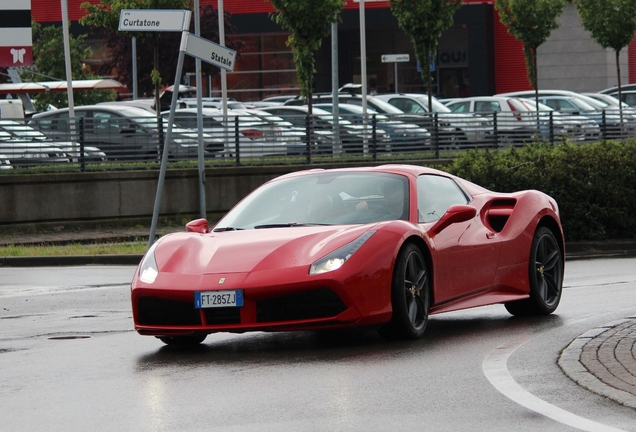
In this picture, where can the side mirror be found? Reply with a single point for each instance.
(454, 214)
(198, 226)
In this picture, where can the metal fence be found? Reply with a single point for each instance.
(94, 142)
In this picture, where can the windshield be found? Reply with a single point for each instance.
(322, 199)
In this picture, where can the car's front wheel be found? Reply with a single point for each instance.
(183, 341)
(410, 295)
(546, 277)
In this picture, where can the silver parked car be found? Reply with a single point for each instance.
(122, 132)
(25, 133)
(21, 153)
(250, 135)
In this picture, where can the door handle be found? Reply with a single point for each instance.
(490, 235)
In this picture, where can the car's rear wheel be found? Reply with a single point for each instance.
(546, 277)
(183, 341)
(410, 296)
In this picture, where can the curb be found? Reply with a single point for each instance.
(70, 260)
(608, 378)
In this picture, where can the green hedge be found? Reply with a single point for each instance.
(594, 184)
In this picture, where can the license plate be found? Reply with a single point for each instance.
(212, 299)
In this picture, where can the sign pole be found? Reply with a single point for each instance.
(69, 73)
(168, 138)
(395, 77)
(201, 157)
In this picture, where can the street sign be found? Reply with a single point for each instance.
(210, 52)
(15, 33)
(153, 20)
(395, 58)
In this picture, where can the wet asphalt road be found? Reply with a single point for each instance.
(69, 361)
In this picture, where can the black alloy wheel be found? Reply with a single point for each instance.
(546, 277)
(410, 295)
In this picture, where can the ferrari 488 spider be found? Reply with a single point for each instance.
(383, 246)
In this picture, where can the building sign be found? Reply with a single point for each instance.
(210, 52)
(15, 33)
(151, 20)
(453, 58)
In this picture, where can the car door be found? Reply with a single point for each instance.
(122, 136)
(466, 253)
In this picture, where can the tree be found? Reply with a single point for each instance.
(309, 21)
(424, 21)
(612, 24)
(531, 22)
(48, 54)
(119, 61)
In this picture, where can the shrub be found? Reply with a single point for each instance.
(594, 184)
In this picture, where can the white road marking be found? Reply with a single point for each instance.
(496, 370)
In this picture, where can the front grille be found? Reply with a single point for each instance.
(159, 311)
(320, 303)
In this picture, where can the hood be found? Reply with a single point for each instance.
(251, 250)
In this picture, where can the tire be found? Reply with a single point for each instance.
(545, 271)
(183, 341)
(410, 296)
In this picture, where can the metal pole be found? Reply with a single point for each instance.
(201, 157)
(69, 72)
(337, 147)
(166, 144)
(363, 73)
(395, 76)
(363, 59)
(134, 68)
(223, 75)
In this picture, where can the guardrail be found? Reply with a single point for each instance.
(99, 142)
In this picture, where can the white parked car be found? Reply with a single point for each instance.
(515, 119)
(466, 127)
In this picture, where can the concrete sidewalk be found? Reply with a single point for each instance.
(603, 360)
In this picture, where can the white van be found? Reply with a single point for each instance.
(11, 109)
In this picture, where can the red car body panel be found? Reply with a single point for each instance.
(477, 262)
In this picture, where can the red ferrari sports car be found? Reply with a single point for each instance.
(383, 246)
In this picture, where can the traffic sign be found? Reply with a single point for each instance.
(210, 52)
(153, 20)
(395, 58)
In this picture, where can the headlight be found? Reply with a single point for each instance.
(148, 270)
(337, 258)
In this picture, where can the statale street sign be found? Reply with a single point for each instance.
(210, 52)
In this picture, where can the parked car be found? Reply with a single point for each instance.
(5, 163)
(516, 119)
(370, 246)
(446, 137)
(353, 137)
(466, 127)
(21, 132)
(609, 100)
(20, 153)
(209, 102)
(402, 134)
(252, 136)
(617, 124)
(122, 132)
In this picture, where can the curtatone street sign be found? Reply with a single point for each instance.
(395, 58)
(210, 52)
(152, 20)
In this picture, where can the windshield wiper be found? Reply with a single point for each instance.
(227, 229)
(288, 224)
